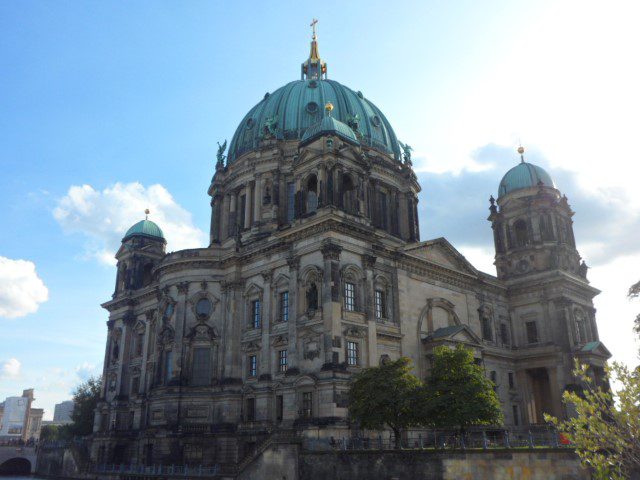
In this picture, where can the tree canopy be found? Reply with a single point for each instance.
(388, 395)
(85, 399)
(459, 395)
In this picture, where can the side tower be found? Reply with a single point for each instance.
(550, 299)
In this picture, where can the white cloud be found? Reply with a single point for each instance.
(11, 368)
(21, 290)
(85, 371)
(104, 217)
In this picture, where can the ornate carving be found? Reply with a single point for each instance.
(368, 261)
(293, 262)
(203, 285)
(183, 287)
(355, 332)
(267, 275)
(330, 250)
(252, 346)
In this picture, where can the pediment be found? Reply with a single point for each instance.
(595, 348)
(441, 252)
(454, 334)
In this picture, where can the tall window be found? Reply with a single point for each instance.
(284, 306)
(516, 415)
(494, 378)
(352, 353)
(279, 408)
(512, 381)
(307, 404)
(380, 304)
(382, 210)
(201, 366)
(282, 361)
(251, 410)
(504, 334)
(253, 365)
(139, 344)
(522, 233)
(532, 332)
(255, 314)
(291, 208)
(487, 334)
(349, 296)
(168, 366)
(312, 194)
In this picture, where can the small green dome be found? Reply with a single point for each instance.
(288, 112)
(145, 228)
(329, 125)
(524, 175)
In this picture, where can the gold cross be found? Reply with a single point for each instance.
(313, 26)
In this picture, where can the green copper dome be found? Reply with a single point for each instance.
(332, 126)
(145, 228)
(524, 175)
(287, 114)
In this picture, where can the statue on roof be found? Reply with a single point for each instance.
(406, 153)
(220, 155)
(270, 127)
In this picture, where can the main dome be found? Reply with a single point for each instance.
(292, 109)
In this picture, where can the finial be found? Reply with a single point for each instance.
(146, 213)
(328, 107)
(314, 68)
(521, 152)
(313, 27)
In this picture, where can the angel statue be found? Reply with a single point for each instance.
(406, 153)
(220, 155)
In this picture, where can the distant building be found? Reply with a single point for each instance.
(62, 412)
(18, 420)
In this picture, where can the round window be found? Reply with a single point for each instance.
(312, 107)
(376, 121)
(203, 307)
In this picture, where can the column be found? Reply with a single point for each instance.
(247, 206)
(257, 201)
(267, 316)
(294, 308)
(368, 263)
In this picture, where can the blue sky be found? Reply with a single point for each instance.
(110, 107)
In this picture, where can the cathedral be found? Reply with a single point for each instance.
(315, 270)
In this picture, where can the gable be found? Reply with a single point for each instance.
(441, 252)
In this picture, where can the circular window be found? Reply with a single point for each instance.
(313, 84)
(250, 123)
(376, 121)
(312, 107)
(168, 311)
(203, 307)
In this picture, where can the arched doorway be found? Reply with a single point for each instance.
(16, 466)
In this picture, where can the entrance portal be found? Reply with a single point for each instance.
(16, 466)
(541, 393)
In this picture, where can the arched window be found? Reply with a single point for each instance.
(146, 274)
(312, 296)
(349, 195)
(521, 233)
(546, 227)
(312, 194)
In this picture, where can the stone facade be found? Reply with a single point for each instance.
(314, 271)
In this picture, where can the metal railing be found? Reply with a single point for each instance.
(482, 439)
(159, 470)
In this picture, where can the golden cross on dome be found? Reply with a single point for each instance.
(146, 213)
(313, 26)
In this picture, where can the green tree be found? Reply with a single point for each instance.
(634, 292)
(459, 394)
(85, 399)
(605, 433)
(388, 395)
(49, 433)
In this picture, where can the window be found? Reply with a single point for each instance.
(168, 366)
(494, 378)
(382, 210)
(516, 415)
(139, 344)
(349, 198)
(349, 296)
(307, 404)
(532, 332)
(380, 304)
(487, 334)
(201, 366)
(203, 308)
(284, 307)
(290, 202)
(312, 194)
(581, 335)
(251, 410)
(512, 380)
(312, 297)
(255, 314)
(352, 353)
(522, 233)
(504, 334)
(253, 366)
(282, 361)
(135, 385)
(279, 407)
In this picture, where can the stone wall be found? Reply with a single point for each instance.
(57, 462)
(540, 464)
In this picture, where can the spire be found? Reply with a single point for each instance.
(314, 68)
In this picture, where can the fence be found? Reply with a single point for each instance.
(168, 470)
(442, 439)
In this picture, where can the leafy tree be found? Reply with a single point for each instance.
(85, 399)
(634, 292)
(459, 395)
(606, 434)
(55, 432)
(388, 395)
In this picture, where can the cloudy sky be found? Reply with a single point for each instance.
(112, 107)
